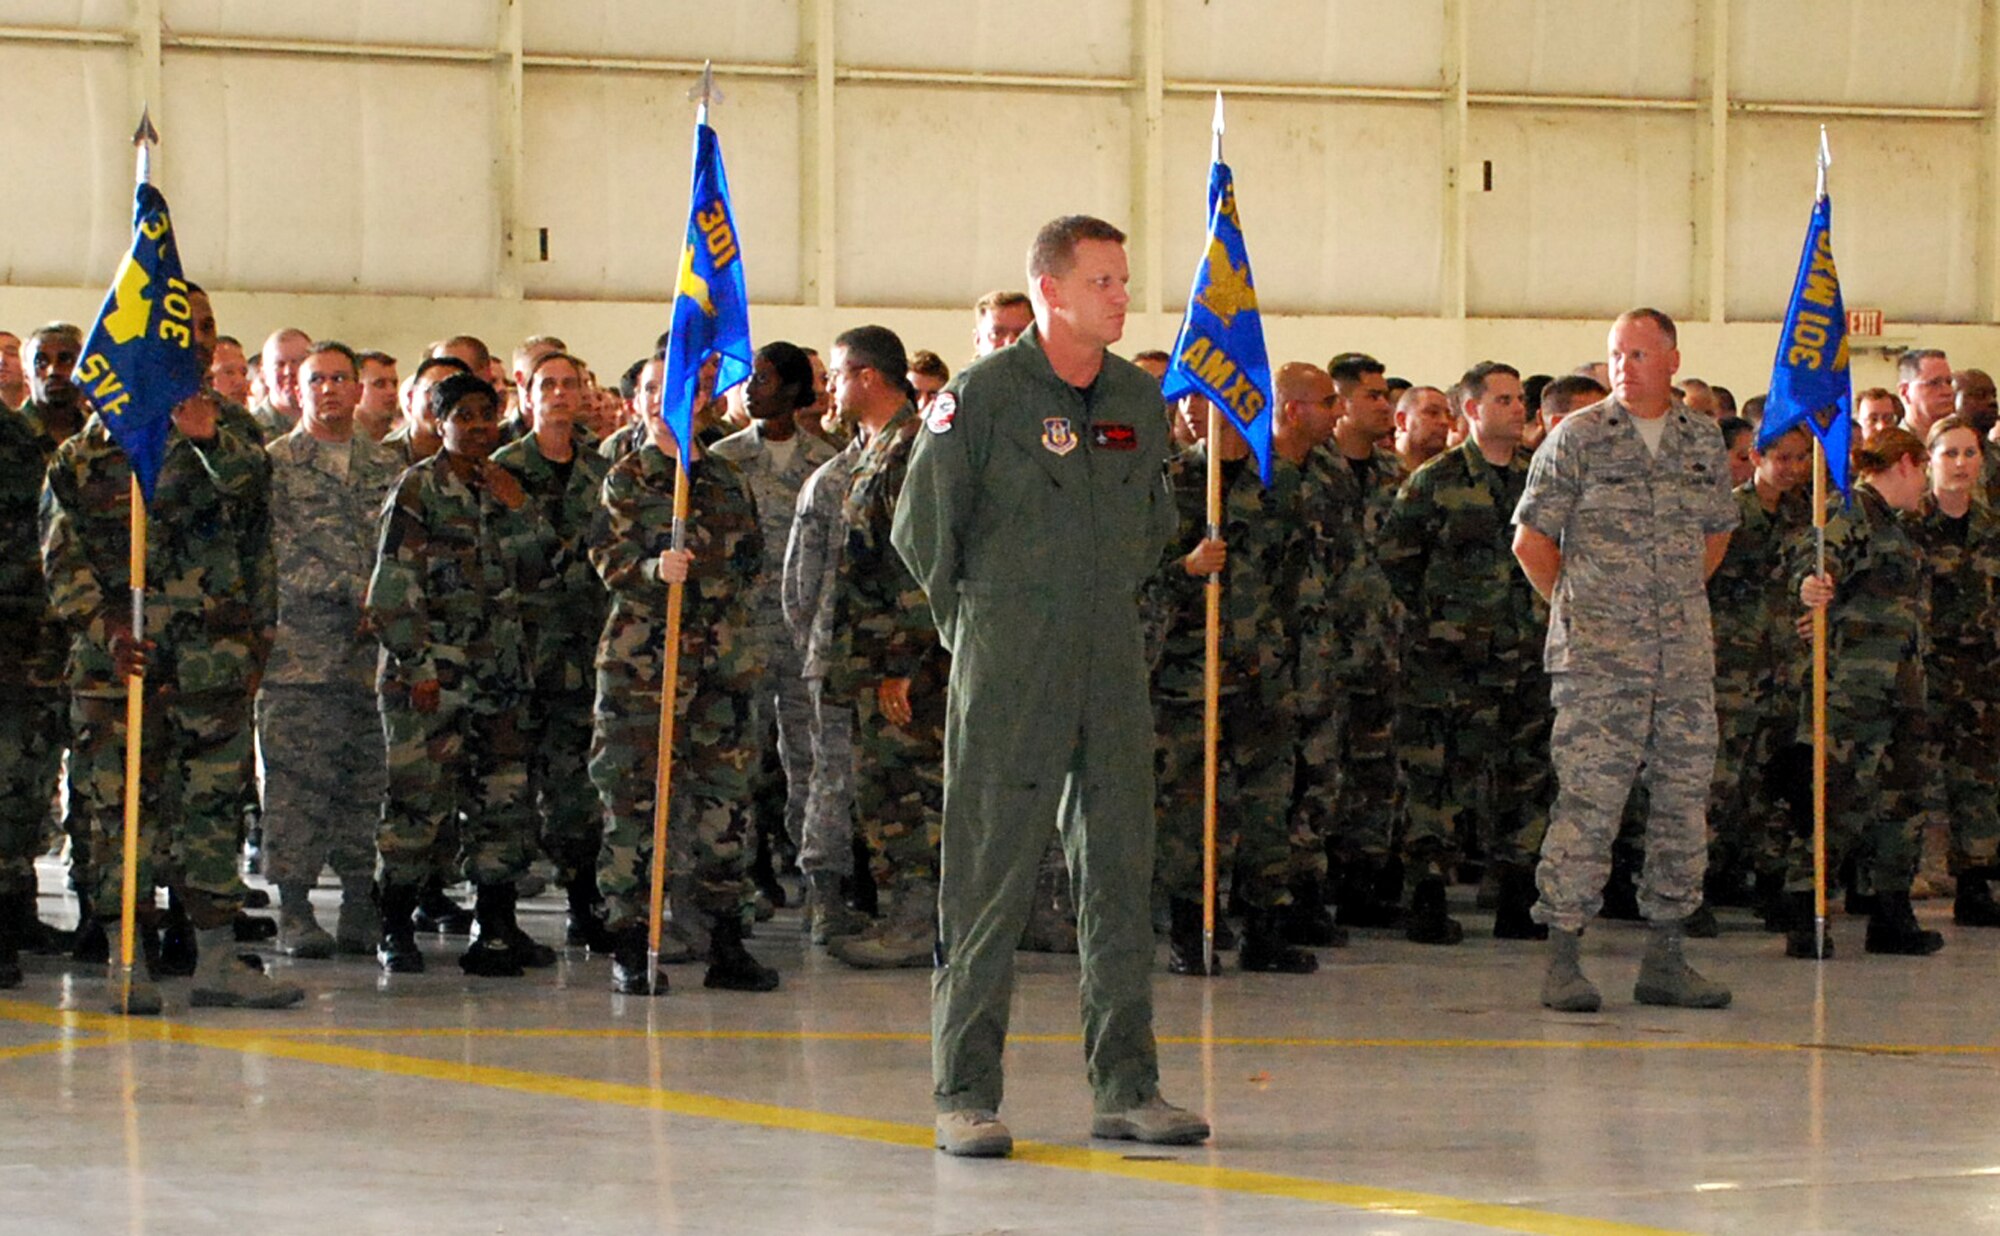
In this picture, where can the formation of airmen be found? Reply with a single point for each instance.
(437, 605)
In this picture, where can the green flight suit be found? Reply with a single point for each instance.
(1032, 513)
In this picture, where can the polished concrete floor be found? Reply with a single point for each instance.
(1401, 1089)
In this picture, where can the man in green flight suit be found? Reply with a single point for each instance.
(1033, 510)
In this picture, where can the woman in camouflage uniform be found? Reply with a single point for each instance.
(1876, 595)
(1960, 535)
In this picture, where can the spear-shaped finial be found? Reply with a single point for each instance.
(1215, 149)
(145, 137)
(1825, 161)
(704, 91)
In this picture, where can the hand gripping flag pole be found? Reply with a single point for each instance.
(1220, 354)
(711, 318)
(1811, 386)
(138, 364)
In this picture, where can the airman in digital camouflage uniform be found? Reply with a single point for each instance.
(323, 767)
(211, 603)
(812, 558)
(776, 457)
(888, 661)
(461, 546)
(564, 479)
(1033, 511)
(714, 743)
(1474, 724)
(1261, 557)
(1626, 513)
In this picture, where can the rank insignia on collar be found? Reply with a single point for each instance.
(944, 409)
(1057, 435)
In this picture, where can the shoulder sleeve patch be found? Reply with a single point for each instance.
(943, 411)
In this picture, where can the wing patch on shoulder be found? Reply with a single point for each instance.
(943, 411)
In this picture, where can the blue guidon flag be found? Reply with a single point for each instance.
(711, 307)
(1220, 351)
(138, 360)
(1809, 380)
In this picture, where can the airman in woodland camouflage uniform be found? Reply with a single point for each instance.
(1261, 557)
(812, 560)
(1625, 514)
(1878, 604)
(406, 732)
(1366, 822)
(564, 479)
(32, 712)
(461, 547)
(55, 410)
(891, 665)
(1960, 537)
(714, 743)
(1756, 670)
(1475, 717)
(1308, 410)
(211, 603)
(323, 770)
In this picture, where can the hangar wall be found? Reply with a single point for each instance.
(1433, 180)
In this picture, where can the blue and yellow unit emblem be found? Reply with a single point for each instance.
(1058, 436)
(711, 303)
(1220, 352)
(1810, 381)
(138, 360)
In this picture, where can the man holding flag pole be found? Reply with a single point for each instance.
(1881, 706)
(153, 491)
(677, 696)
(1220, 356)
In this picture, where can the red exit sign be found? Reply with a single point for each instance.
(1864, 321)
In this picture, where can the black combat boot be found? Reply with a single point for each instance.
(1184, 940)
(252, 928)
(585, 927)
(1430, 922)
(1974, 905)
(1307, 921)
(629, 975)
(1801, 934)
(398, 952)
(179, 954)
(1264, 948)
(730, 965)
(492, 954)
(1771, 904)
(1356, 903)
(438, 914)
(10, 946)
(1892, 928)
(32, 935)
(1512, 914)
(1701, 925)
(91, 944)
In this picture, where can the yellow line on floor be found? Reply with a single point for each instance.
(54, 1048)
(1166, 1040)
(1178, 1172)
